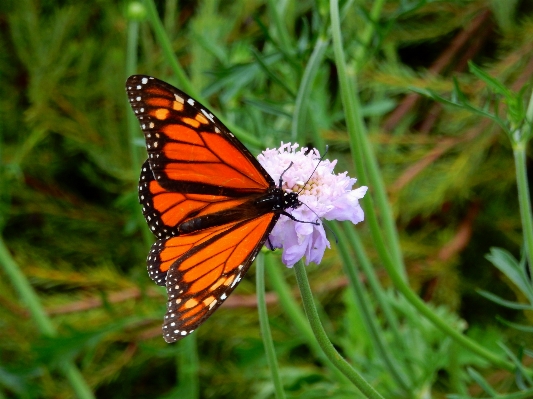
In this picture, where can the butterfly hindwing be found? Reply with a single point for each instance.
(199, 281)
(166, 251)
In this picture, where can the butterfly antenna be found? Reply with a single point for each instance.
(314, 170)
(281, 176)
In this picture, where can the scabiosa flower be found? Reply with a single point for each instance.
(326, 195)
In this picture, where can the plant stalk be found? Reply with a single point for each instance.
(322, 338)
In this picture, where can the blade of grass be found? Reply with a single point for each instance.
(44, 325)
(265, 327)
(363, 157)
(300, 105)
(361, 297)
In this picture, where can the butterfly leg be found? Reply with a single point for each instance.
(299, 221)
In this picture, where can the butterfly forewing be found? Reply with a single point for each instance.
(166, 210)
(189, 149)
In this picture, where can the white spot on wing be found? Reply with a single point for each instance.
(208, 115)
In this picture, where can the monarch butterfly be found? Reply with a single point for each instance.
(205, 197)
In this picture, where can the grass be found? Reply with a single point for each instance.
(372, 85)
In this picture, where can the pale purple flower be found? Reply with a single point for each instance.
(327, 195)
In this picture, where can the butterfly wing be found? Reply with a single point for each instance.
(204, 267)
(195, 166)
(196, 170)
(189, 149)
(165, 211)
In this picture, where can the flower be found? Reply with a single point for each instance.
(323, 194)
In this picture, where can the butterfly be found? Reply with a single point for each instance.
(205, 197)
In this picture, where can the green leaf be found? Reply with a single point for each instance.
(519, 327)
(504, 302)
(478, 378)
(508, 265)
(494, 84)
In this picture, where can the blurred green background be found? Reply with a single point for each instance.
(68, 203)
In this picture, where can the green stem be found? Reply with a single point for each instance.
(43, 323)
(265, 327)
(302, 99)
(362, 301)
(361, 150)
(368, 31)
(168, 52)
(131, 68)
(466, 342)
(322, 338)
(297, 317)
(183, 81)
(281, 28)
(363, 156)
(188, 368)
(519, 152)
(520, 159)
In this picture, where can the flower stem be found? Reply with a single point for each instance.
(322, 338)
(43, 323)
(265, 326)
(297, 316)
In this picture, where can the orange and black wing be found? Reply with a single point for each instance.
(200, 189)
(166, 210)
(204, 267)
(198, 166)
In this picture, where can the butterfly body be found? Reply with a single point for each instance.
(205, 197)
